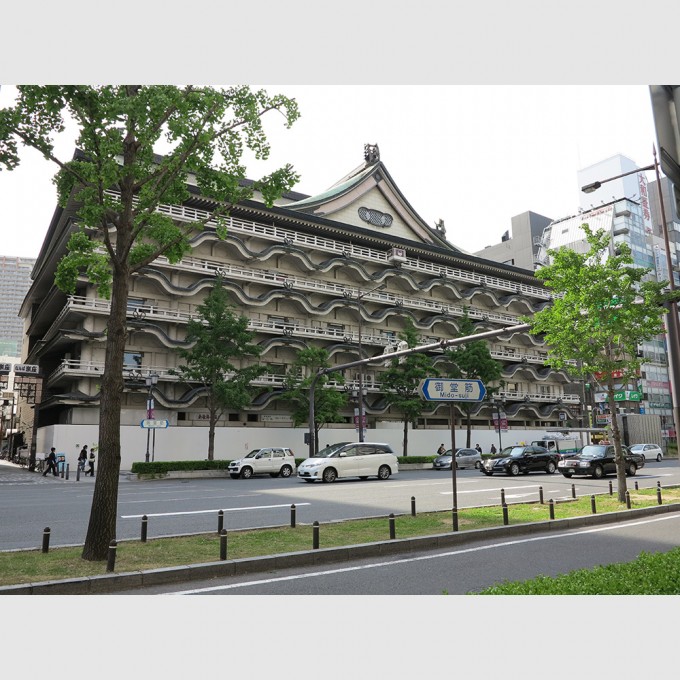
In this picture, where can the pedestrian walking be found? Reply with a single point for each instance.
(82, 459)
(492, 450)
(90, 469)
(441, 450)
(51, 462)
(478, 448)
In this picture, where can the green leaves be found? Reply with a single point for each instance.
(605, 307)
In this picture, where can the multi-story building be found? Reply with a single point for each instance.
(519, 245)
(627, 208)
(15, 279)
(304, 273)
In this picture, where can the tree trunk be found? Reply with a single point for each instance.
(211, 429)
(468, 423)
(621, 485)
(101, 529)
(405, 437)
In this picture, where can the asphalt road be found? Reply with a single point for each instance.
(456, 571)
(30, 502)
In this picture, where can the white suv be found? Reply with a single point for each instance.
(274, 461)
(361, 460)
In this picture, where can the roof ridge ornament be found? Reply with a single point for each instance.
(371, 154)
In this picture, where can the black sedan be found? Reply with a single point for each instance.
(598, 460)
(524, 459)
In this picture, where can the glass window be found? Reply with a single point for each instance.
(132, 360)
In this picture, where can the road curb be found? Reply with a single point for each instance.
(111, 583)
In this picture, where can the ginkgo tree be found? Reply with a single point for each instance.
(604, 307)
(118, 182)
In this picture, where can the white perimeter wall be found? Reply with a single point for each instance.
(191, 443)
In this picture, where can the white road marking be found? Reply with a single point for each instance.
(421, 558)
(203, 512)
(188, 498)
(527, 486)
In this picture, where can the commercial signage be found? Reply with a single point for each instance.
(27, 369)
(619, 395)
(503, 421)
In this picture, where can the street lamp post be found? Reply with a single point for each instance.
(672, 332)
(151, 380)
(360, 296)
(498, 403)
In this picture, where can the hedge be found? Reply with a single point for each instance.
(161, 467)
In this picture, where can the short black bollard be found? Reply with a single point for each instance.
(78, 474)
(551, 507)
(413, 506)
(223, 544)
(636, 484)
(454, 517)
(292, 516)
(393, 532)
(573, 490)
(505, 515)
(611, 490)
(628, 499)
(220, 521)
(145, 522)
(67, 469)
(540, 495)
(593, 509)
(315, 536)
(658, 493)
(61, 472)
(502, 496)
(111, 562)
(46, 540)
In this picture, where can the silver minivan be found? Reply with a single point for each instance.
(363, 460)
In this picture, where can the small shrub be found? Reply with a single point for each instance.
(161, 467)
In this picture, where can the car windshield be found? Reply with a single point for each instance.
(328, 451)
(253, 453)
(514, 452)
(593, 451)
(637, 447)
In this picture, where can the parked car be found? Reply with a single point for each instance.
(464, 458)
(525, 459)
(649, 451)
(274, 461)
(361, 460)
(327, 450)
(598, 460)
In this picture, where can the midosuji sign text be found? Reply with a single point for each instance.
(443, 389)
(150, 423)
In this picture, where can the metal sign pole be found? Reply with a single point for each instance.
(453, 456)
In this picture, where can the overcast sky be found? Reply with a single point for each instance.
(472, 155)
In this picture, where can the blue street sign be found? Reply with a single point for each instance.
(442, 389)
(150, 423)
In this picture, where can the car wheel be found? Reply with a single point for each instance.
(384, 472)
(551, 468)
(234, 475)
(246, 472)
(598, 472)
(329, 475)
(658, 458)
(478, 465)
(632, 469)
(514, 469)
(286, 471)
